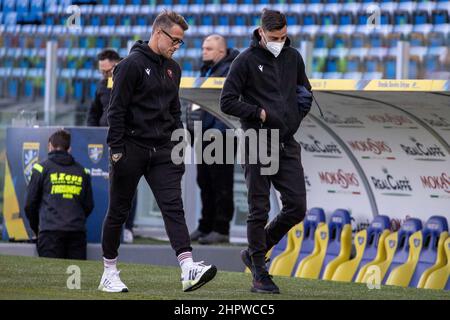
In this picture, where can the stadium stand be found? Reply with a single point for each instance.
(343, 46)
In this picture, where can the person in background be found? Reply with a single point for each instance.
(58, 202)
(215, 180)
(144, 112)
(262, 89)
(97, 116)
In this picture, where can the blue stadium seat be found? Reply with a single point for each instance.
(421, 17)
(376, 40)
(389, 67)
(292, 19)
(23, 6)
(362, 18)
(345, 18)
(353, 64)
(78, 89)
(402, 17)
(385, 18)
(431, 63)
(111, 20)
(9, 6)
(223, 20)
(321, 41)
(309, 18)
(358, 40)
(436, 39)
(440, 17)
(341, 41)
(13, 86)
(372, 64)
(327, 18)
(207, 20)
(332, 64)
(240, 20)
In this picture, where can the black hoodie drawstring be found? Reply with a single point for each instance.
(320, 110)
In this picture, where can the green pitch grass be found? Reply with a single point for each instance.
(38, 278)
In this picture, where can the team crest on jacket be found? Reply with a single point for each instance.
(30, 156)
(95, 152)
(170, 73)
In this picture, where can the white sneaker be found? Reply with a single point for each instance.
(128, 236)
(197, 275)
(111, 282)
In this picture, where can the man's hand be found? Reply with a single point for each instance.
(263, 115)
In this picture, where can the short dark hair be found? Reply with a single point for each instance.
(60, 140)
(166, 20)
(272, 20)
(109, 54)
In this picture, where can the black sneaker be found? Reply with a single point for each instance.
(262, 283)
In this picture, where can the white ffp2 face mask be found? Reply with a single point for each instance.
(274, 47)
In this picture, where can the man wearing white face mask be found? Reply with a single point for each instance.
(261, 89)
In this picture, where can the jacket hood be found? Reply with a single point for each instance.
(256, 38)
(61, 157)
(143, 48)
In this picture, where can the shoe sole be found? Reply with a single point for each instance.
(254, 290)
(103, 289)
(205, 278)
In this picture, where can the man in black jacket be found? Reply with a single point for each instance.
(215, 180)
(261, 89)
(143, 112)
(107, 60)
(58, 202)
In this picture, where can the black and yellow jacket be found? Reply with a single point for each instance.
(59, 196)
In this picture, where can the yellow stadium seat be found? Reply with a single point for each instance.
(332, 247)
(282, 265)
(396, 247)
(300, 243)
(369, 245)
(440, 279)
(424, 255)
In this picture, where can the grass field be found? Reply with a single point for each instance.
(38, 278)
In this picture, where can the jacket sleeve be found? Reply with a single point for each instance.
(232, 89)
(175, 106)
(125, 79)
(34, 197)
(95, 112)
(302, 78)
(88, 199)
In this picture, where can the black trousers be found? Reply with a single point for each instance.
(62, 245)
(164, 179)
(216, 190)
(290, 182)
